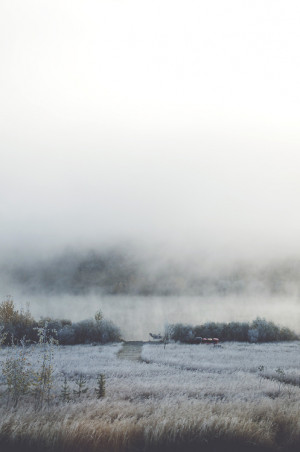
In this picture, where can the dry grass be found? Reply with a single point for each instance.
(150, 425)
(163, 407)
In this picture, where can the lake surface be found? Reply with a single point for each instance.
(137, 316)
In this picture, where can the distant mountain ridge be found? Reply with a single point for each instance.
(121, 272)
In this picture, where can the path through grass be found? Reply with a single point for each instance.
(131, 351)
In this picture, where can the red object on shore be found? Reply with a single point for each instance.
(209, 340)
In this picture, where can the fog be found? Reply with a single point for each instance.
(165, 128)
(142, 291)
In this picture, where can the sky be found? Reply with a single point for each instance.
(159, 121)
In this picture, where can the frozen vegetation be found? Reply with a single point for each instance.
(259, 330)
(17, 324)
(182, 397)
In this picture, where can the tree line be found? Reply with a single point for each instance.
(18, 324)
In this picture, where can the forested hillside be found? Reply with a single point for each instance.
(117, 271)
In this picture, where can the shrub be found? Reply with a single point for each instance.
(20, 377)
(66, 335)
(181, 333)
(16, 324)
(17, 373)
(109, 332)
(19, 324)
(260, 330)
(85, 332)
(253, 335)
(89, 331)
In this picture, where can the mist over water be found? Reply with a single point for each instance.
(137, 316)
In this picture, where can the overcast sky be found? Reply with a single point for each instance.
(159, 120)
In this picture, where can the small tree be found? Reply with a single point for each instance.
(17, 323)
(3, 335)
(81, 386)
(17, 373)
(8, 314)
(65, 391)
(98, 316)
(261, 369)
(281, 376)
(100, 390)
(43, 376)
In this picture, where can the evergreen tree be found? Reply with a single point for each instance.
(100, 390)
(65, 391)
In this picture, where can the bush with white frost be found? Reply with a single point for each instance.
(18, 324)
(260, 330)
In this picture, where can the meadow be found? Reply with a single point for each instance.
(237, 397)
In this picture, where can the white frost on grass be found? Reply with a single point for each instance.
(165, 399)
(178, 373)
(86, 359)
(230, 357)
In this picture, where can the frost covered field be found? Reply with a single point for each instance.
(182, 397)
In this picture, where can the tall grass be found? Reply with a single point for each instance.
(150, 425)
(220, 404)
